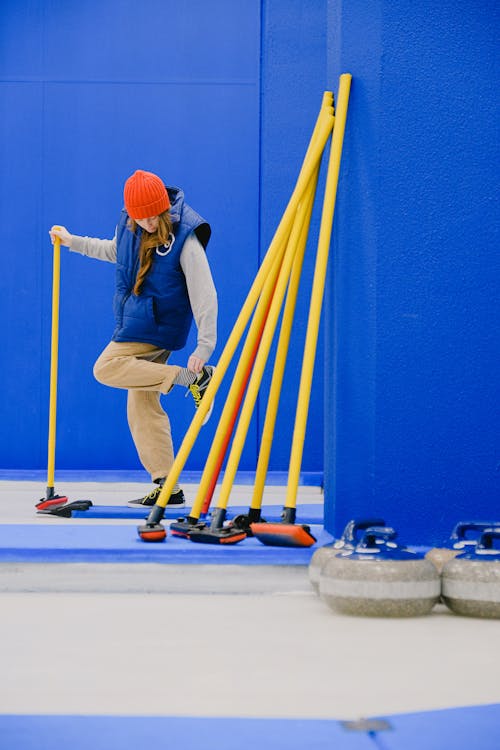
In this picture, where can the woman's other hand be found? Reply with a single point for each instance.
(195, 364)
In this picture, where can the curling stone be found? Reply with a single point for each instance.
(378, 578)
(464, 536)
(471, 582)
(347, 540)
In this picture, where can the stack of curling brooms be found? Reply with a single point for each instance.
(278, 276)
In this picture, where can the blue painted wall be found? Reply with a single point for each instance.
(197, 92)
(412, 331)
(91, 91)
(293, 81)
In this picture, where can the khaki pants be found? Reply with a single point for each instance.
(141, 370)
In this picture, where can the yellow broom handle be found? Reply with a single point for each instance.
(56, 267)
(280, 362)
(227, 412)
(317, 290)
(263, 353)
(226, 416)
(313, 157)
(282, 349)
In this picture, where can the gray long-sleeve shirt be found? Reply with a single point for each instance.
(200, 285)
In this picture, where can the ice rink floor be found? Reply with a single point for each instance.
(217, 640)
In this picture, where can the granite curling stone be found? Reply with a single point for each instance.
(378, 578)
(471, 581)
(464, 536)
(348, 540)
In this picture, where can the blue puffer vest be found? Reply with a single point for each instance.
(161, 314)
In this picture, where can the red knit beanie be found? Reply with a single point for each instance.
(145, 195)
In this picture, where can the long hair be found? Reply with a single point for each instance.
(149, 243)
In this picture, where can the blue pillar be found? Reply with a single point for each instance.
(411, 377)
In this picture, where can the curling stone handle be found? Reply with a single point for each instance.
(381, 533)
(459, 532)
(488, 538)
(350, 534)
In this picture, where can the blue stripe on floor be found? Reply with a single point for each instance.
(466, 728)
(306, 512)
(170, 733)
(73, 542)
(460, 728)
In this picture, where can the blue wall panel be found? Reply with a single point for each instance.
(121, 41)
(91, 92)
(293, 82)
(413, 326)
(219, 99)
(21, 378)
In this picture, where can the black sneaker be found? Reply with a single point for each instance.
(198, 388)
(176, 499)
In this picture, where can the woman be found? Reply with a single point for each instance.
(162, 280)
